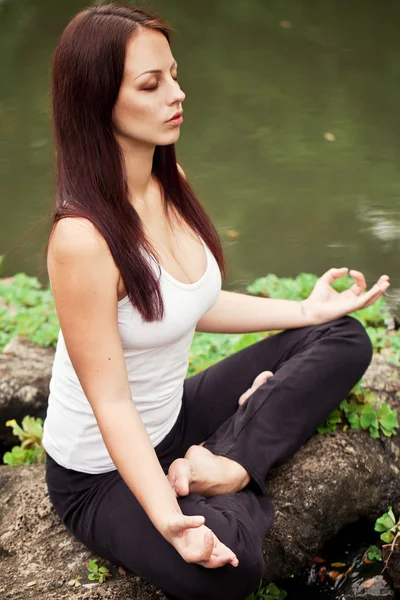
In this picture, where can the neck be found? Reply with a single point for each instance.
(138, 160)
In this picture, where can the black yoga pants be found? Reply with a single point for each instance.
(314, 368)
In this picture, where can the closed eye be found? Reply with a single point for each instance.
(151, 89)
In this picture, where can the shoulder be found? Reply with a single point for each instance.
(181, 171)
(79, 261)
(76, 247)
(76, 237)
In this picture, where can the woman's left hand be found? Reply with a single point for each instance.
(325, 304)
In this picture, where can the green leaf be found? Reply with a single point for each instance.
(368, 417)
(386, 521)
(374, 432)
(387, 537)
(374, 553)
(272, 589)
(93, 565)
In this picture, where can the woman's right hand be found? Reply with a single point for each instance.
(196, 543)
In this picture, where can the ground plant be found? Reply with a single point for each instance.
(374, 553)
(31, 451)
(361, 410)
(389, 529)
(269, 592)
(27, 310)
(96, 572)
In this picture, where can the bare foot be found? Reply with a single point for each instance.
(206, 473)
(259, 380)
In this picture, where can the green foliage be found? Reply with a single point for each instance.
(209, 348)
(331, 423)
(270, 592)
(27, 310)
(386, 525)
(374, 553)
(18, 457)
(31, 450)
(97, 573)
(361, 410)
(272, 286)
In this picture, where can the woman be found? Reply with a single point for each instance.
(163, 475)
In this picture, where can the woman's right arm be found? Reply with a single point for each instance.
(84, 281)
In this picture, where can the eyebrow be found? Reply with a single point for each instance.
(174, 64)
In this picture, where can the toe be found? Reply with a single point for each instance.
(261, 378)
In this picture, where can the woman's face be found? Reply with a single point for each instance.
(146, 101)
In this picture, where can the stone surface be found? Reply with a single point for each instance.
(332, 481)
(25, 371)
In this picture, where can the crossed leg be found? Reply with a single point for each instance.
(314, 368)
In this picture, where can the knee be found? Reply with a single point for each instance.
(359, 342)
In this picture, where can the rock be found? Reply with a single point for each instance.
(25, 371)
(376, 589)
(332, 481)
(35, 547)
(393, 564)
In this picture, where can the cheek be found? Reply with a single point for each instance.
(132, 112)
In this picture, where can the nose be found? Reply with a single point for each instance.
(177, 95)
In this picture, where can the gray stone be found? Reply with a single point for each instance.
(25, 371)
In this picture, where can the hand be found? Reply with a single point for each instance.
(196, 543)
(325, 304)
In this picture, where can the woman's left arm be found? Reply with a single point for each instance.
(242, 313)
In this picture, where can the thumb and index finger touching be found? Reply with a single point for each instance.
(360, 284)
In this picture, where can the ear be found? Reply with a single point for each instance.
(181, 171)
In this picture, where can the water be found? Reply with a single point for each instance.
(346, 551)
(291, 133)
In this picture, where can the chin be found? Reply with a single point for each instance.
(169, 138)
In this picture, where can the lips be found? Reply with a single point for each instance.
(176, 116)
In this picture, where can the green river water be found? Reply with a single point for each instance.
(291, 134)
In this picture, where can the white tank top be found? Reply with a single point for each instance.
(156, 357)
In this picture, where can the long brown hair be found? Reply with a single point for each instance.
(87, 72)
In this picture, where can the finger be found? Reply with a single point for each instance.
(330, 276)
(208, 546)
(360, 284)
(221, 555)
(224, 553)
(206, 558)
(182, 522)
(378, 288)
(373, 300)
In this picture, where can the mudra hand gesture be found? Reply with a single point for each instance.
(325, 304)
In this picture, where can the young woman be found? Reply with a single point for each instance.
(158, 473)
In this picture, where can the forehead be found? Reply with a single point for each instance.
(147, 50)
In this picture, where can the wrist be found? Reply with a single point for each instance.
(307, 310)
(163, 522)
